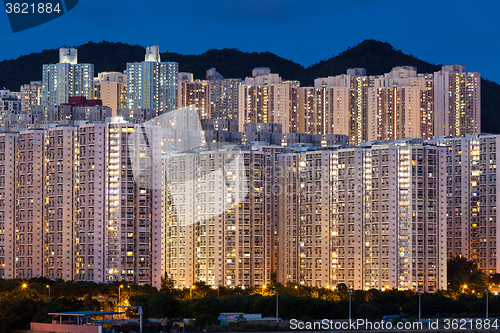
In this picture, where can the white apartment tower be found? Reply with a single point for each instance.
(332, 108)
(152, 84)
(66, 78)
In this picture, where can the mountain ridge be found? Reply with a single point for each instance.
(375, 56)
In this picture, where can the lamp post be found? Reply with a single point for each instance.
(129, 291)
(276, 292)
(119, 289)
(191, 291)
(298, 290)
(419, 306)
(24, 285)
(48, 287)
(350, 293)
(487, 294)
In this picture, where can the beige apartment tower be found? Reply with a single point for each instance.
(91, 187)
(264, 98)
(303, 212)
(8, 209)
(472, 199)
(30, 241)
(217, 216)
(457, 101)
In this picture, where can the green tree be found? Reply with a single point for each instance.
(494, 279)
(167, 285)
(17, 312)
(465, 276)
(369, 310)
(205, 320)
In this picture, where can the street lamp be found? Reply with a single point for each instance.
(350, 293)
(419, 306)
(298, 290)
(191, 291)
(48, 287)
(129, 291)
(119, 289)
(487, 294)
(276, 292)
(24, 285)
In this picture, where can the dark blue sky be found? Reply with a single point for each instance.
(305, 31)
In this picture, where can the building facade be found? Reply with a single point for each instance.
(457, 101)
(66, 78)
(378, 222)
(472, 199)
(152, 84)
(111, 89)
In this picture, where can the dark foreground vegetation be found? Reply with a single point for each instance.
(25, 301)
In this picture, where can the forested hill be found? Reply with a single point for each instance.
(375, 56)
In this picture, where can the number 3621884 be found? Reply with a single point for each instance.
(25, 8)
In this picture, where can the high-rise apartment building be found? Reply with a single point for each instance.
(472, 199)
(396, 105)
(60, 220)
(31, 226)
(394, 113)
(8, 209)
(66, 78)
(194, 93)
(152, 84)
(378, 221)
(9, 104)
(31, 94)
(336, 105)
(218, 217)
(264, 98)
(405, 230)
(303, 225)
(332, 107)
(133, 204)
(457, 101)
(111, 89)
(294, 94)
(90, 232)
(87, 203)
(223, 96)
